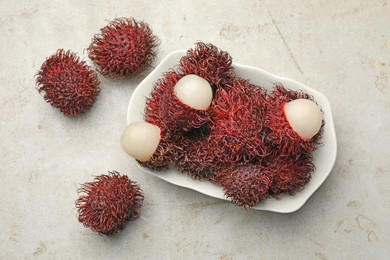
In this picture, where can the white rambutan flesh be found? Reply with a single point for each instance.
(304, 117)
(140, 140)
(194, 91)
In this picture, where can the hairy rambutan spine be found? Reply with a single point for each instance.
(289, 174)
(236, 123)
(277, 128)
(246, 185)
(123, 48)
(68, 83)
(209, 62)
(195, 157)
(106, 204)
(165, 154)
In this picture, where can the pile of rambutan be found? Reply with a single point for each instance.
(247, 140)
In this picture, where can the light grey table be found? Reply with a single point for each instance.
(340, 48)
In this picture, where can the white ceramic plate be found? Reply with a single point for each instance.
(324, 157)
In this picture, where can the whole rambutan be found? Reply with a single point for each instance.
(246, 185)
(289, 174)
(68, 83)
(195, 156)
(278, 130)
(108, 203)
(209, 62)
(123, 48)
(236, 123)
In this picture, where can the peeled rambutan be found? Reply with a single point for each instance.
(209, 62)
(246, 185)
(164, 109)
(123, 48)
(236, 123)
(289, 174)
(150, 145)
(165, 154)
(106, 204)
(277, 127)
(68, 83)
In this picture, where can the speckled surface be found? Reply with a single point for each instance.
(341, 49)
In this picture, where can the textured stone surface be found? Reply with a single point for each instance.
(341, 49)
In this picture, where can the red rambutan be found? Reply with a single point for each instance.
(164, 109)
(277, 127)
(236, 123)
(289, 174)
(150, 145)
(164, 156)
(68, 83)
(108, 203)
(246, 185)
(209, 62)
(195, 156)
(123, 48)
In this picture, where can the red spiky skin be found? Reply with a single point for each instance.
(277, 128)
(289, 174)
(246, 185)
(209, 62)
(156, 106)
(197, 161)
(195, 156)
(106, 204)
(68, 83)
(123, 48)
(236, 123)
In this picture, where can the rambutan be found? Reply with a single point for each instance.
(278, 130)
(150, 145)
(106, 204)
(209, 62)
(246, 185)
(195, 156)
(289, 174)
(123, 48)
(68, 83)
(165, 154)
(164, 109)
(236, 123)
